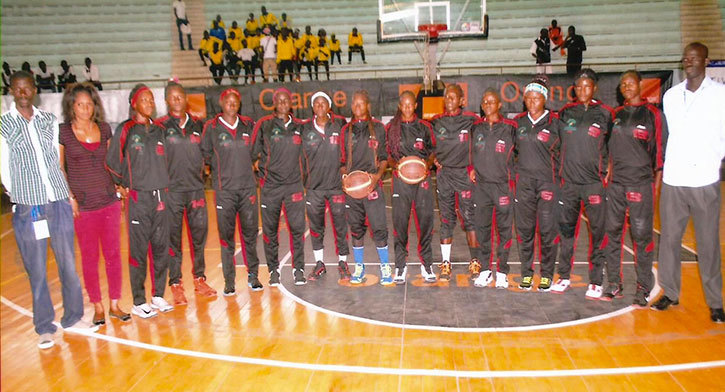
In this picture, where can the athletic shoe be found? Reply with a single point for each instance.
(426, 271)
(143, 311)
(445, 270)
(160, 304)
(254, 283)
(46, 341)
(177, 291)
(544, 284)
(400, 275)
(664, 302)
(299, 276)
(274, 278)
(594, 291)
(386, 274)
(502, 281)
(641, 298)
(474, 268)
(484, 279)
(318, 271)
(229, 292)
(613, 291)
(201, 288)
(82, 326)
(343, 270)
(561, 286)
(526, 283)
(359, 274)
(717, 315)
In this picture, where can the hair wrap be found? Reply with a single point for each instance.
(138, 92)
(229, 91)
(279, 91)
(321, 94)
(537, 87)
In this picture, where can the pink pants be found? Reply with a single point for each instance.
(94, 228)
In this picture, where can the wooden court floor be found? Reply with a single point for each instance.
(268, 341)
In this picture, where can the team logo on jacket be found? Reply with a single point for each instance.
(246, 138)
(225, 139)
(543, 135)
(640, 132)
(522, 132)
(442, 131)
(335, 138)
(159, 148)
(616, 125)
(500, 146)
(373, 143)
(136, 142)
(463, 136)
(570, 125)
(595, 130)
(296, 138)
(418, 143)
(276, 134)
(195, 138)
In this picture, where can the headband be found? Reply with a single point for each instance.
(230, 91)
(138, 92)
(323, 95)
(539, 88)
(279, 91)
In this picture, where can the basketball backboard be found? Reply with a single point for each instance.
(405, 20)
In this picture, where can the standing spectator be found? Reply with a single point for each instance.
(285, 55)
(335, 49)
(693, 152)
(84, 139)
(285, 22)
(180, 14)
(66, 77)
(323, 58)
(45, 78)
(216, 57)
(556, 37)
(355, 44)
(541, 50)
(269, 59)
(252, 25)
(299, 45)
(576, 45)
(307, 36)
(6, 77)
(218, 32)
(267, 20)
(247, 55)
(308, 56)
(91, 73)
(31, 174)
(236, 30)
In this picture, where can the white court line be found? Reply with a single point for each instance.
(6, 233)
(693, 251)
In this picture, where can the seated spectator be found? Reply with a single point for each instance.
(335, 49)
(66, 77)
(541, 50)
(285, 22)
(247, 55)
(236, 30)
(254, 43)
(45, 78)
(355, 44)
(218, 31)
(252, 25)
(556, 37)
(233, 65)
(216, 57)
(323, 57)
(91, 73)
(6, 77)
(26, 67)
(219, 22)
(205, 46)
(267, 20)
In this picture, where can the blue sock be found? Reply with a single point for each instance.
(357, 254)
(383, 255)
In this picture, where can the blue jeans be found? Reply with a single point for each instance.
(35, 259)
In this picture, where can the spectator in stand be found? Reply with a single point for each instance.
(246, 55)
(238, 33)
(253, 42)
(285, 55)
(6, 77)
(307, 36)
(216, 57)
(267, 20)
(233, 66)
(285, 22)
(335, 49)
(252, 25)
(206, 45)
(556, 37)
(66, 77)
(355, 44)
(299, 45)
(541, 50)
(321, 34)
(91, 73)
(219, 21)
(26, 67)
(308, 56)
(323, 58)
(575, 44)
(217, 31)
(45, 78)
(269, 57)
(84, 139)
(180, 14)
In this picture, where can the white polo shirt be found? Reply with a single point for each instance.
(696, 142)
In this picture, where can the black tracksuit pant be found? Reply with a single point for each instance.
(494, 203)
(189, 206)
(290, 199)
(455, 191)
(148, 227)
(317, 202)
(535, 206)
(373, 207)
(231, 205)
(419, 199)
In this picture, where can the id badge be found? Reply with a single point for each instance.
(41, 229)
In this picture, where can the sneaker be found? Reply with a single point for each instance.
(544, 284)
(359, 274)
(229, 292)
(594, 291)
(400, 275)
(386, 274)
(299, 276)
(641, 298)
(613, 291)
(445, 270)
(717, 315)
(82, 326)
(274, 278)
(161, 304)
(343, 270)
(143, 311)
(561, 286)
(664, 302)
(474, 268)
(253, 282)
(177, 291)
(502, 280)
(201, 288)
(484, 279)
(526, 283)
(46, 341)
(318, 271)
(426, 271)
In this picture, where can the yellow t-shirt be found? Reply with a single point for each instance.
(355, 41)
(309, 54)
(270, 19)
(235, 44)
(238, 33)
(253, 41)
(221, 24)
(335, 46)
(285, 49)
(217, 58)
(252, 25)
(323, 53)
(206, 45)
(311, 38)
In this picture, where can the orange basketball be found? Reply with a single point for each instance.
(412, 170)
(357, 184)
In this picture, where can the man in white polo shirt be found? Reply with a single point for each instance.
(693, 153)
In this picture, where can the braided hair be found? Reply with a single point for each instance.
(395, 129)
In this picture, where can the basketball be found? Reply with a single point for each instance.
(357, 184)
(412, 170)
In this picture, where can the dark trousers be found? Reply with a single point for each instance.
(179, 22)
(317, 202)
(353, 49)
(372, 207)
(535, 206)
(419, 199)
(289, 199)
(326, 64)
(217, 71)
(242, 205)
(677, 204)
(572, 198)
(190, 207)
(573, 68)
(234, 69)
(455, 197)
(309, 65)
(286, 67)
(148, 234)
(332, 58)
(203, 56)
(638, 200)
(248, 70)
(494, 205)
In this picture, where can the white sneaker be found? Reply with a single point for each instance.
(46, 341)
(400, 275)
(82, 326)
(143, 311)
(594, 291)
(484, 279)
(502, 280)
(428, 275)
(161, 304)
(561, 286)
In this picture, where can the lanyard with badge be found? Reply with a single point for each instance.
(40, 224)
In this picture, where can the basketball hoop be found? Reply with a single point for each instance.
(432, 30)
(430, 52)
